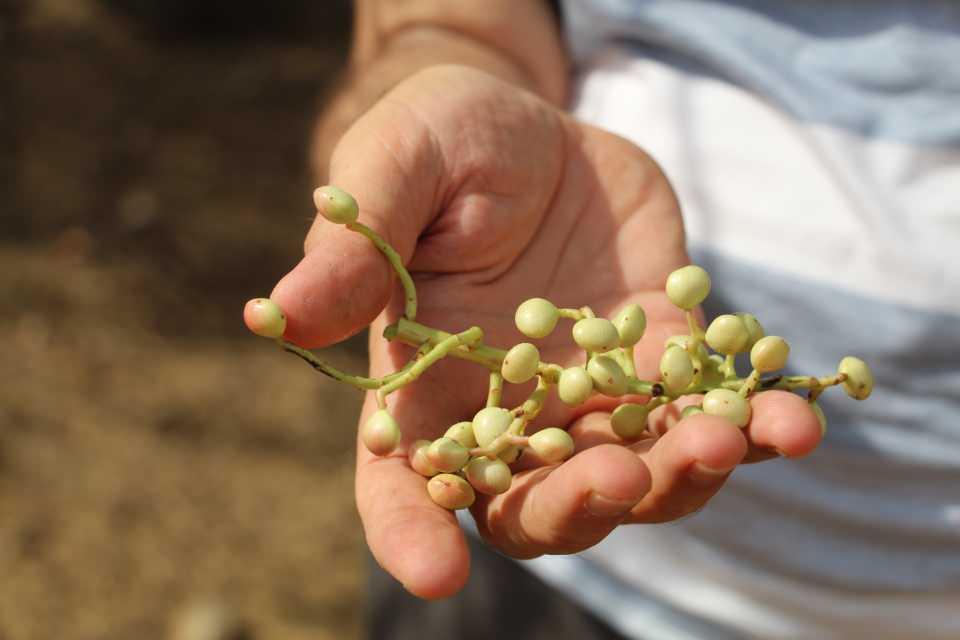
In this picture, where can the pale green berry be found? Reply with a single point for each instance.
(692, 410)
(688, 286)
(489, 423)
(859, 382)
(446, 454)
(727, 404)
(264, 318)
(336, 205)
(380, 433)
(629, 420)
(450, 491)
(608, 378)
(491, 477)
(685, 341)
(769, 354)
(419, 461)
(462, 432)
(754, 328)
(596, 334)
(536, 317)
(552, 445)
(727, 334)
(520, 364)
(630, 322)
(821, 416)
(575, 386)
(510, 454)
(676, 370)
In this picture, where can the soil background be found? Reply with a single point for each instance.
(158, 463)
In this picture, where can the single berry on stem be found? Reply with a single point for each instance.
(380, 433)
(688, 286)
(521, 363)
(419, 461)
(490, 423)
(727, 334)
(264, 318)
(575, 386)
(536, 317)
(596, 334)
(462, 432)
(676, 370)
(552, 445)
(629, 421)
(727, 404)
(448, 455)
(754, 328)
(630, 322)
(859, 378)
(608, 377)
(336, 205)
(769, 354)
(450, 491)
(491, 477)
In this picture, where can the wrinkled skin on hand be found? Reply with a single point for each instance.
(492, 196)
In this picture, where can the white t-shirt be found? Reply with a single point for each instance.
(815, 148)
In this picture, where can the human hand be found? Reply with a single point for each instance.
(492, 196)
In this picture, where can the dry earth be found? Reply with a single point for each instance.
(153, 455)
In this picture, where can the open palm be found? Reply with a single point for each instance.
(492, 196)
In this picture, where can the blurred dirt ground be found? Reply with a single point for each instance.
(153, 455)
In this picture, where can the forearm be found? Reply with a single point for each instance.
(516, 41)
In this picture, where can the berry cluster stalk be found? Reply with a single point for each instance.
(474, 455)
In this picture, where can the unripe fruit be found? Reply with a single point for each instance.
(450, 491)
(688, 286)
(520, 364)
(676, 369)
(380, 433)
(769, 354)
(692, 410)
(552, 445)
(489, 423)
(727, 334)
(264, 318)
(462, 432)
(727, 404)
(446, 454)
(820, 416)
(683, 341)
(754, 328)
(575, 386)
(859, 382)
(419, 461)
(629, 420)
(510, 454)
(630, 322)
(491, 477)
(608, 378)
(536, 317)
(596, 334)
(336, 205)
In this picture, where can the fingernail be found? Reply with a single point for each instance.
(703, 476)
(605, 507)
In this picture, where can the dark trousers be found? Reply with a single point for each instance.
(501, 601)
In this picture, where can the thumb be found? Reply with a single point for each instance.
(343, 282)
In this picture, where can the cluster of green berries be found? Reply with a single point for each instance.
(474, 456)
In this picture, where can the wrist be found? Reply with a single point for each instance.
(409, 48)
